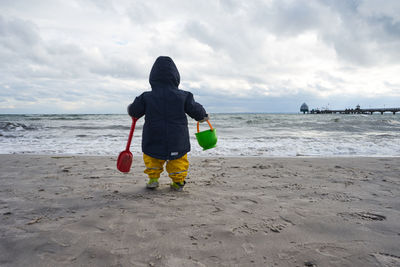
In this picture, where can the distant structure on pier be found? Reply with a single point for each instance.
(304, 108)
(357, 110)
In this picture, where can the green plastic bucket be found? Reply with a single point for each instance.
(206, 139)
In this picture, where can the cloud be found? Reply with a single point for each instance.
(96, 55)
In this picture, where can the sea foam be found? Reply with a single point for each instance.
(276, 135)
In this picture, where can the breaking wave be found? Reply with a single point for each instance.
(240, 134)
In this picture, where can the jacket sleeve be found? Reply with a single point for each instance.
(137, 108)
(194, 109)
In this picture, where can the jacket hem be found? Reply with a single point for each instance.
(166, 157)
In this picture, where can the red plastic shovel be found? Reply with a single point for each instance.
(124, 161)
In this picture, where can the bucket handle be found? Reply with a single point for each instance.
(209, 124)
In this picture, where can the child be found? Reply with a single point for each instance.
(165, 135)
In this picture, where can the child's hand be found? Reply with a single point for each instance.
(206, 118)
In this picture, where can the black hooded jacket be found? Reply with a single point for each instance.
(165, 131)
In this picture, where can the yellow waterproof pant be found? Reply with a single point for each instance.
(177, 168)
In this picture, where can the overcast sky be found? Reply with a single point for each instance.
(94, 56)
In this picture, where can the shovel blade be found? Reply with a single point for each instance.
(124, 161)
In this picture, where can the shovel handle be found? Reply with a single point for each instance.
(209, 124)
(131, 133)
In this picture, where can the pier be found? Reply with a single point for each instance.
(357, 110)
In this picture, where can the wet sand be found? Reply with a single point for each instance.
(80, 211)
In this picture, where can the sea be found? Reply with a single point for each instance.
(239, 134)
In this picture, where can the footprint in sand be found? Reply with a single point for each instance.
(336, 196)
(365, 216)
(244, 230)
(262, 167)
(248, 248)
(386, 259)
(332, 251)
(274, 225)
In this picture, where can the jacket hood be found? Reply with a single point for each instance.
(164, 72)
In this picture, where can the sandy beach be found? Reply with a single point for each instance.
(80, 211)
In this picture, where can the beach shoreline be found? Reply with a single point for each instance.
(246, 211)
